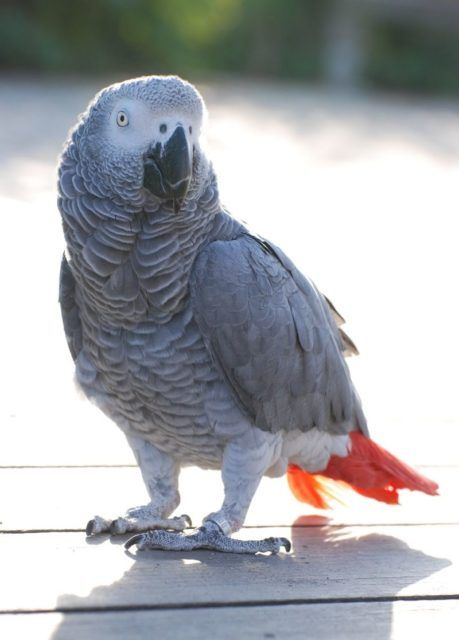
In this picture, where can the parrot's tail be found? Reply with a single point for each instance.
(368, 469)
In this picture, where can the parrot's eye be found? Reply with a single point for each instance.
(163, 128)
(121, 119)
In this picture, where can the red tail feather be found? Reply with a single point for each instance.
(368, 469)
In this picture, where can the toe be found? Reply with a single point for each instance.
(166, 540)
(274, 545)
(119, 526)
(97, 525)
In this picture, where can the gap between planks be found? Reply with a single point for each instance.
(236, 605)
(136, 466)
(330, 525)
(379, 620)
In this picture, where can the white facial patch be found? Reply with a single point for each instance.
(134, 124)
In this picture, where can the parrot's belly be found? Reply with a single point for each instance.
(159, 381)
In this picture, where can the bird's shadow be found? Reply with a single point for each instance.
(326, 563)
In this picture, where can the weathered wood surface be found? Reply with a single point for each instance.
(361, 620)
(63, 570)
(62, 499)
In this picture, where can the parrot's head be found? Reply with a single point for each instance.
(140, 139)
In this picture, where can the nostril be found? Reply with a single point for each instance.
(190, 129)
(163, 128)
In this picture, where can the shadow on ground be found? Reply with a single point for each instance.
(326, 563)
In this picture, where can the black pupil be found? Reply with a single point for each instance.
(122, 117)
(163, 128)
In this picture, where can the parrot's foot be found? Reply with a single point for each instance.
(135, 520)
(209, 536)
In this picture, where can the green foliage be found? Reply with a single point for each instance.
(97, 35)
(262, 37)
(415, 59)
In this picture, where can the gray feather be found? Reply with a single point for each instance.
(285, 368)
(187, 330)
(69, 309)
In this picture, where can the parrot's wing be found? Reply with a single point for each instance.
(273, 337)
(69, 309)
(347, 344)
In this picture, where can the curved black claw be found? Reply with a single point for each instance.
(90, 527)
(286, 544)
(134, 540)
(187, 519)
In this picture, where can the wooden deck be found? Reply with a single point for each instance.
(367, 571)
(364, 571)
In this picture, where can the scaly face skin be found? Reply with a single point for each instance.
(139, 141)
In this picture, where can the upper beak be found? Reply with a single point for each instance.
(168, 167)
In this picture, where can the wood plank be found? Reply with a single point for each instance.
(64, 571)
(342, 621)
(62, 499)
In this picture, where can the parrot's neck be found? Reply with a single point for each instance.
(136, 269)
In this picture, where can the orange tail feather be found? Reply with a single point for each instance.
(368, 469)
(316, 490)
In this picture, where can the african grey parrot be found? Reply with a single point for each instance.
(202, 341)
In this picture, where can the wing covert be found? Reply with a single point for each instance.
(271, 334)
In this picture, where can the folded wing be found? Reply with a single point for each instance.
(272, 336)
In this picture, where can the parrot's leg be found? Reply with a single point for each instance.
(244, 463)
(160, 474)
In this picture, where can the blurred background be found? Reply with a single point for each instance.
(334, 129)
(397, 44)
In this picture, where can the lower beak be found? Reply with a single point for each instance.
(168, 168)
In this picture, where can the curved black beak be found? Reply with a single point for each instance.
(168, 167)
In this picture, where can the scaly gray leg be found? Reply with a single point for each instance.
(244, 462)
(160, 474)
